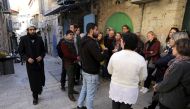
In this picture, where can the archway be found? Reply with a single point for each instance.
(117, 20)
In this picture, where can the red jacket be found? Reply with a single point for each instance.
(152, 50)
(69, 52)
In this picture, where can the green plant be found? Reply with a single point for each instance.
(3, 54)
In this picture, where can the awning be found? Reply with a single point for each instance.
(65, 8)
(6, 12)
(62, 9)
(55, 11)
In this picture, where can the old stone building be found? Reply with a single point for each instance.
(57, 17)
(158, 16)
(5, 26)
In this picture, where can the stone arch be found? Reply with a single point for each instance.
(117, 20)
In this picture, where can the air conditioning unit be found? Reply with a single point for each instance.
(142, 1)
(65, 2)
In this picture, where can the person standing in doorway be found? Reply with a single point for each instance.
(31, 47)
(91, 57)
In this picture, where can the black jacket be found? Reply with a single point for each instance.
(90, 55)
(175, 89)
(32, 47)
(28, 49)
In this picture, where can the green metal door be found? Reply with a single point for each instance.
(117, 20)
(186, 20)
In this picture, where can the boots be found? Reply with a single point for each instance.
(35, 99)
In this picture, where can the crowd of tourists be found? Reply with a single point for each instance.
(123, 58)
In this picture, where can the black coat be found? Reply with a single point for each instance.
(32, 47)
(90, 55)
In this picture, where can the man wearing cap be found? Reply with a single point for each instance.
(31, 47)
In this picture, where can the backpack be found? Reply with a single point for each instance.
(58, 47)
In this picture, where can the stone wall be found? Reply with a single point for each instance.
(4, 38)
(158, 16)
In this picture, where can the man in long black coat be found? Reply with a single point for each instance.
(31, 47)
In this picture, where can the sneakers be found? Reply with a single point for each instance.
(144, 90)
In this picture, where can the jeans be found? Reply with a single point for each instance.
(89, 88)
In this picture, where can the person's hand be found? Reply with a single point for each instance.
(151, 52)
(39, 58)
(155, 87)
(165, 51)
(105, 49)
(115, 50)
(78, 58)
(122, 44)
(30, 60)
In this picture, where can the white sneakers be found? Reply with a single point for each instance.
(144, 90)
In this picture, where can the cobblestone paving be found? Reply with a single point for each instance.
(15, 91)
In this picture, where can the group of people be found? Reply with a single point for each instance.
(120, 56)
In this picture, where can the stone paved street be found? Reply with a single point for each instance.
(15, 92)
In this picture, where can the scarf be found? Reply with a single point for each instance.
(173, 62)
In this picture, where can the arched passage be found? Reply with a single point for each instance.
(117, 20)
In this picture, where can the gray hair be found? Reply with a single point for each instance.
(179, 35)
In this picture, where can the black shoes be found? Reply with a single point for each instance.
(149, 107)
(35, 101)
(71, 97)
(80, 107)
(35, 98)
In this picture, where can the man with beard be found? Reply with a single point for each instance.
(91, 57)
(31, 47)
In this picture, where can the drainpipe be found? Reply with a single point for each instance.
(91, 6)
(142, 14)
